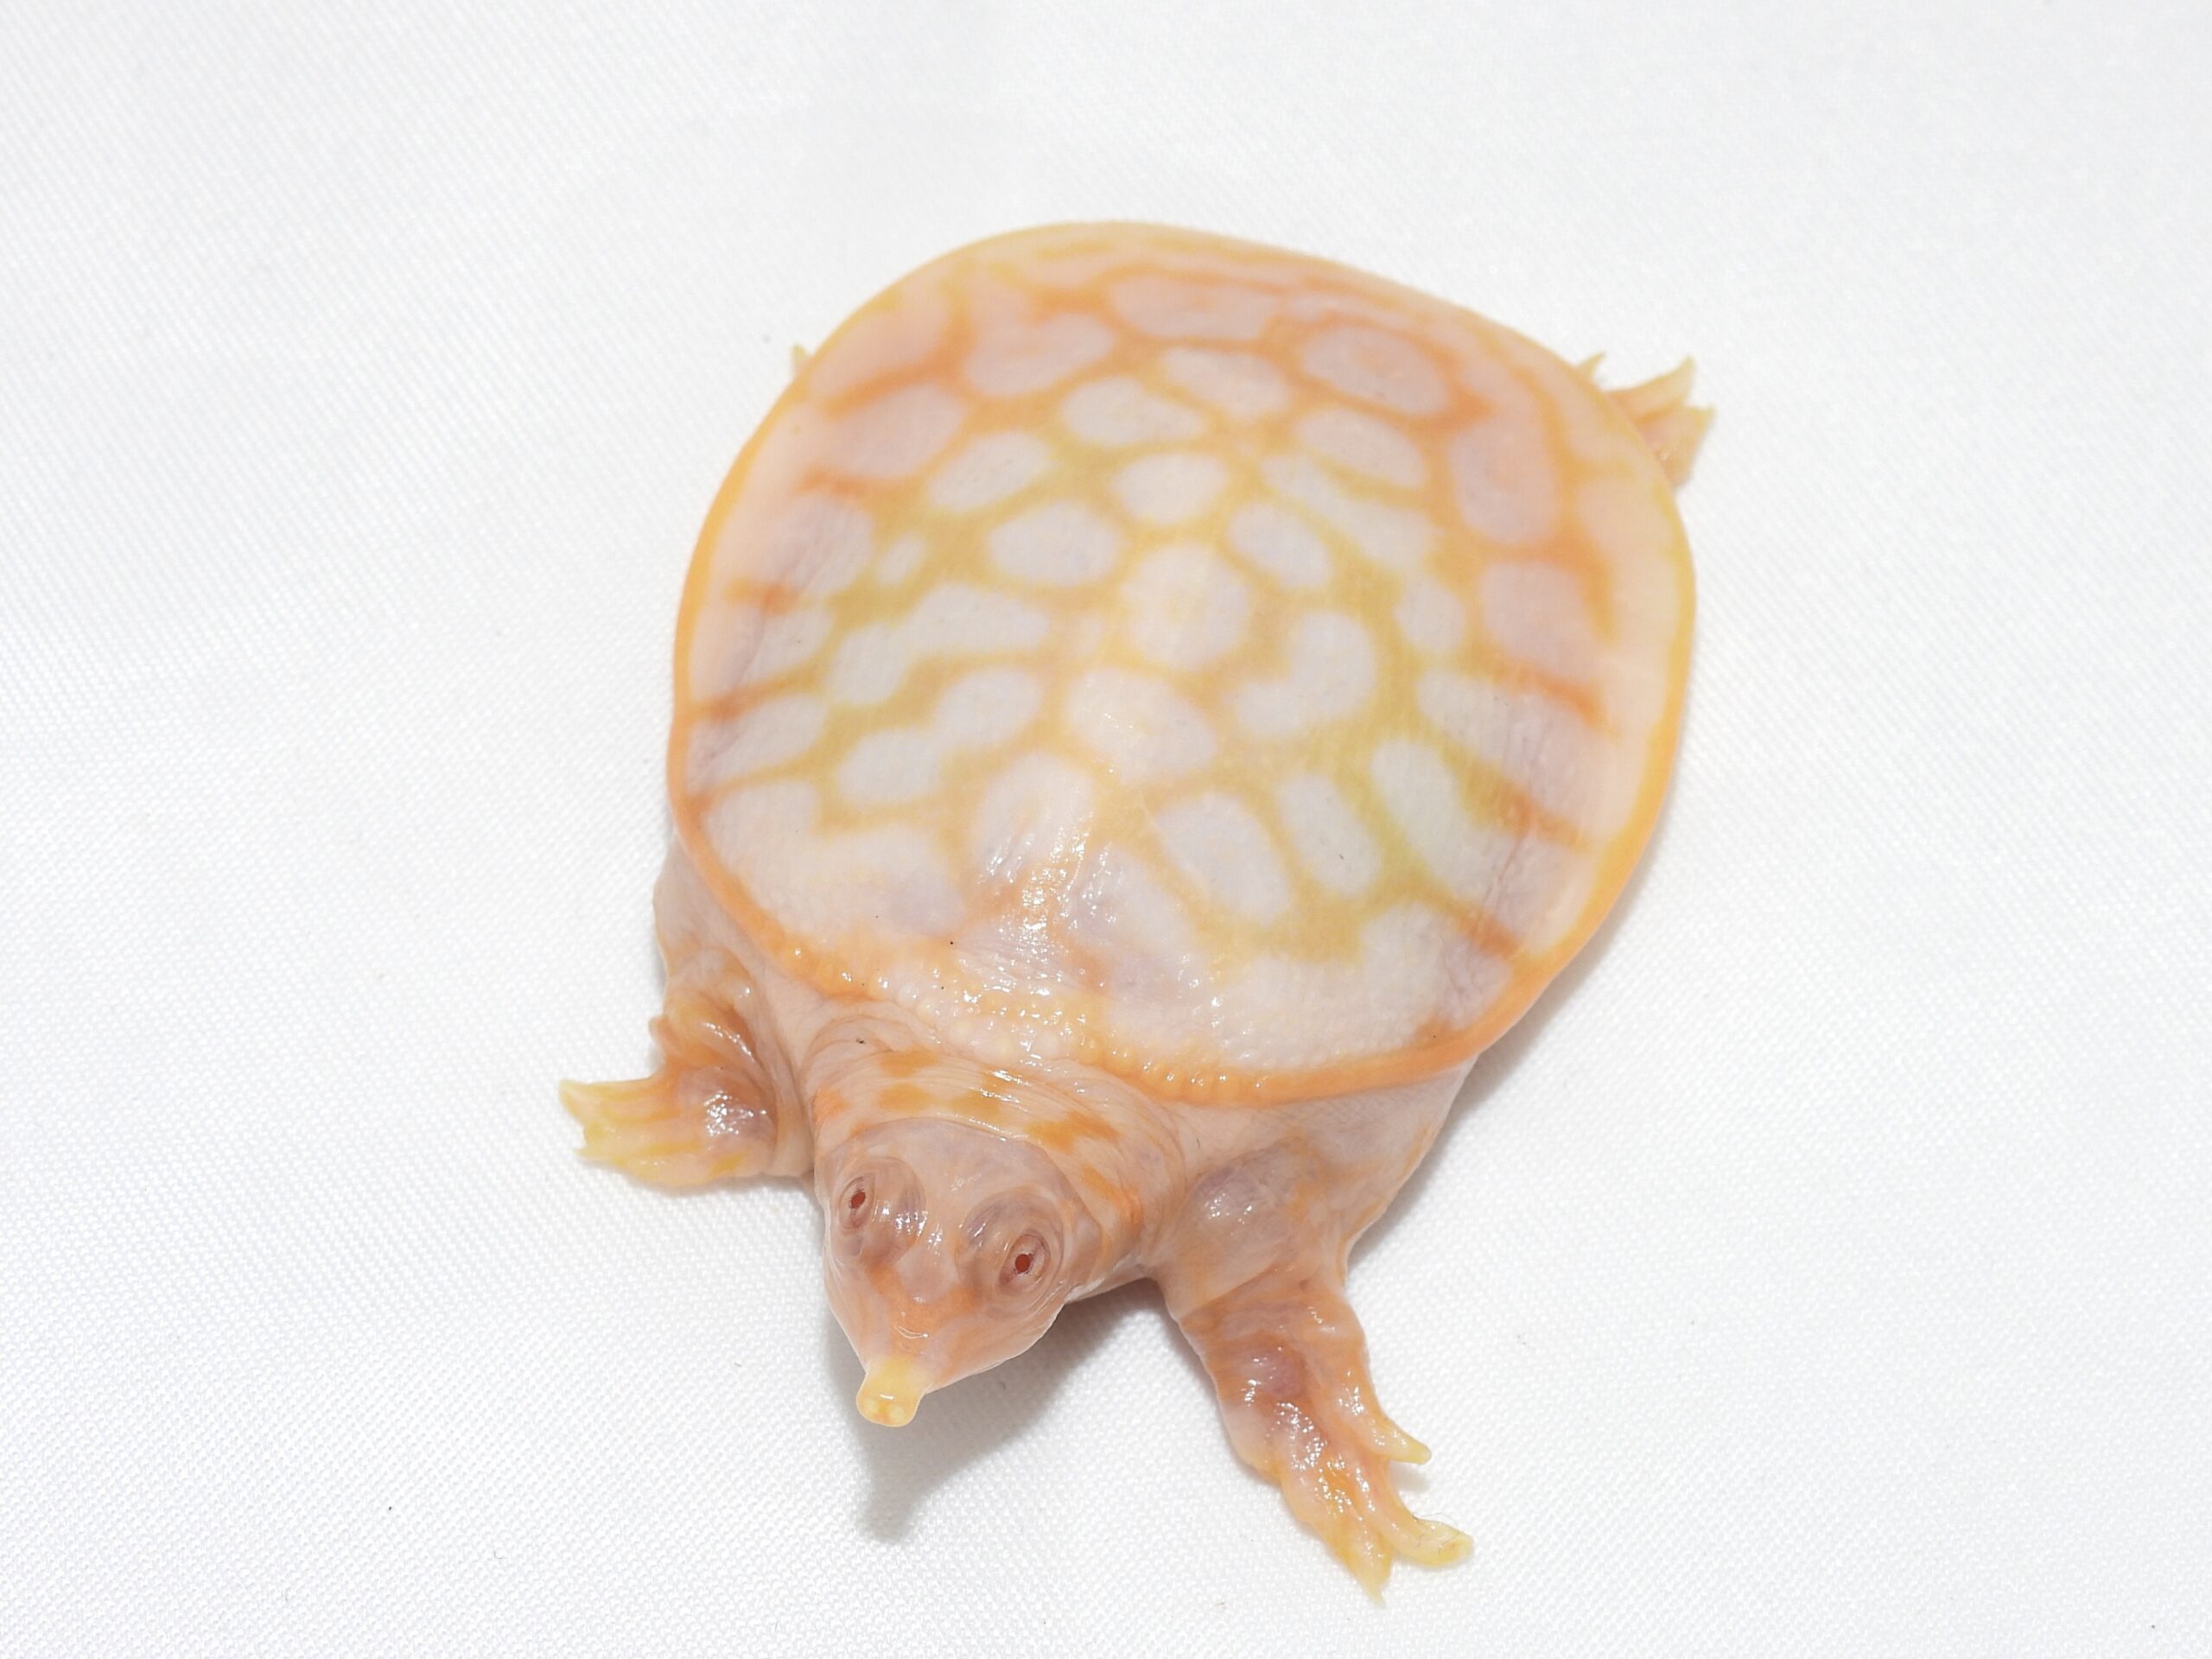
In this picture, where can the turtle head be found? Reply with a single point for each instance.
(952, 1246)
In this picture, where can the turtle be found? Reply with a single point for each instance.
(1149, 709)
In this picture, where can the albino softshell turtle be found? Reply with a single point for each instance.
(1149, 709)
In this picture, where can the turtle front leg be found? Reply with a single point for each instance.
(722, 1105)
(1289, 1362)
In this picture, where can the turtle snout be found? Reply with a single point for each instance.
(892, 1390)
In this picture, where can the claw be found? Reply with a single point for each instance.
(1337, 1482)
(1364, 1554)
(1661, 410)
(1441, 1543)
(1366, 1525)
(1393, 1442)
(677, 1128)
(1290, 1366)
(599, 1105)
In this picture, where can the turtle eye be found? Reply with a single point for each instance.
(1028, 1259)
(1012, 1251)
(855, 1203)
(878, 1211)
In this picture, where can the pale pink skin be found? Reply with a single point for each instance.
(1233, 1043)
(966, 1177)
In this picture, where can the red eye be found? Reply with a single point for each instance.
(878, 1211)
(1024, 1261)
(853, 1204)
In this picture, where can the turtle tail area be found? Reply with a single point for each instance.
(1661, 410)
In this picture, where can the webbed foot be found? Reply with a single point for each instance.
(1289, 1362)
(720, 1105)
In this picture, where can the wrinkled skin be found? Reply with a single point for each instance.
(949, 1249)
(965, 1206)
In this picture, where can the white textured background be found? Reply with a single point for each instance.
(1826, 1267)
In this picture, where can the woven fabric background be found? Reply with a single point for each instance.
(1825, 1269)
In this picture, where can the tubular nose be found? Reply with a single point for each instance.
(893, 1388)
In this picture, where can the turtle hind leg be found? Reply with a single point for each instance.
(1662, 411)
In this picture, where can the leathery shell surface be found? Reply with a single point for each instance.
(1215, 664)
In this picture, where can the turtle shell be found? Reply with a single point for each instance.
(1202, 661)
